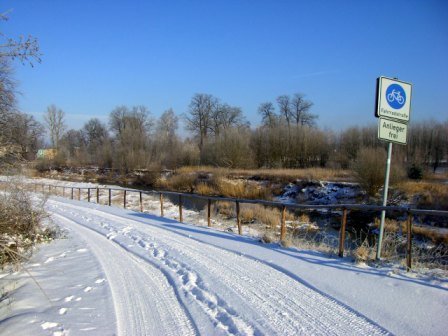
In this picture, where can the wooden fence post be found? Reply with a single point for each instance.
(79, 194)
(161, 205)
(180, 209)
(141, 202)
(110, 197)
(124, 199)
(72, 193)
(342, 233)
(63, 191)
(283, 224)
(209, 205)
(97, 195)
(238, 220)
(88, 195)
(409, 242)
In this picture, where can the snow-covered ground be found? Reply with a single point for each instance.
(127, 273)
(118, 271)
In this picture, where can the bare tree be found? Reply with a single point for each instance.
(54, 120)
(225, 117)
(300, 111)
(268, 115)
(7, 89)
(199, 117)
(95, 136)
(131, 128)
(26, 49)
(167, 124)
(284, 106)
(138, 119)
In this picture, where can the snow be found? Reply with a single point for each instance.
(122, 272)
(321, 192)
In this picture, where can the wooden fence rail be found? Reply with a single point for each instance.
(283, 206)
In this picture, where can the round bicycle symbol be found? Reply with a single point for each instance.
(395, 96)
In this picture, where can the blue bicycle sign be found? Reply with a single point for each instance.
(395, 96)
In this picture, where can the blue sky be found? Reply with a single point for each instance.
(100, 54)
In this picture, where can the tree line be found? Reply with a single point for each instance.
(220, 135)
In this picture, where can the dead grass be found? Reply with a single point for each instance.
(178, 182)
(241, 189)
(205, 189)
(434, 234)
(431, 195)
(226, 209)
(275, 175)
(419, 187)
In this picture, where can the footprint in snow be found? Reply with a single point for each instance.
(60, 333)
(62, 311)
(49, 325)
(87, 289)
(82, 250)
(69, 298)
(49, 260)
(100, 281)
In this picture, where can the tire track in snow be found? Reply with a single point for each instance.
(277, 303)
(144, 301)
(225, 320)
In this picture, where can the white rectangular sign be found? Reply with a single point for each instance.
(393, 99)
(392, 131)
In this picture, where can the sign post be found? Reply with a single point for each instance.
(393, 108)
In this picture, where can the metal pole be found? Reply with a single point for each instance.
(124, 199)
(97, 195)
(409, 242)
(386, 190)
(88, 195)
(110, 197)
(72, 193)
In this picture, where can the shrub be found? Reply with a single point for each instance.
(148, 179)
(369, 169)
(20, 224)
(415, 172)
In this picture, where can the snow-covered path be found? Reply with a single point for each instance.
(199, 287)
(144, 302)
(130, 273)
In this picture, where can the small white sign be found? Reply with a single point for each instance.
(392, 131)
(393, 99)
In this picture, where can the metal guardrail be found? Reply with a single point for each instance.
(39, 187)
